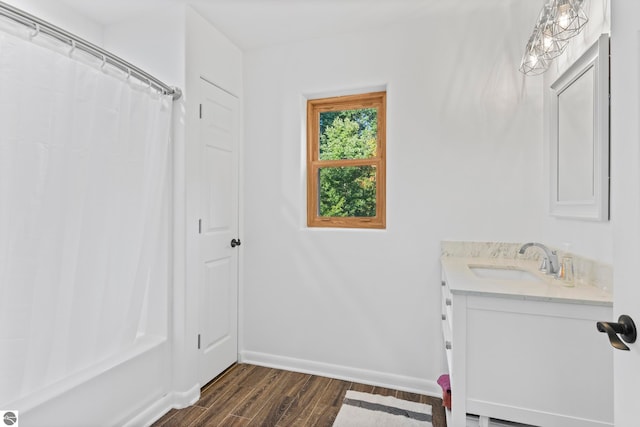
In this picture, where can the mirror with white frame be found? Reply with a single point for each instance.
(579, 137)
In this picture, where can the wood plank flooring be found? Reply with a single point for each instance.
(249, 395)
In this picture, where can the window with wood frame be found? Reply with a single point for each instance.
(346, 161)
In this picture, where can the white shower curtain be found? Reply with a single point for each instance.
(83, 224)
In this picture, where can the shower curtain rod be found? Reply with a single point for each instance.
(42, 26)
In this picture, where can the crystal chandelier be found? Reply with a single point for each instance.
(558, 21)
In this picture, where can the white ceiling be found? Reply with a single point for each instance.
(253, 24)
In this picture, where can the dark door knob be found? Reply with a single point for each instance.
(235, 243)
(625, 328)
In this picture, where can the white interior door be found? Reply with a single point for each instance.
(218, 296)
(625, 209)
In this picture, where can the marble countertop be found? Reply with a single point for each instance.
(462, 280)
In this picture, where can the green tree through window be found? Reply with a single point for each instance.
(348, 191)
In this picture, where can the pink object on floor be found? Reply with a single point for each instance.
(445, 383)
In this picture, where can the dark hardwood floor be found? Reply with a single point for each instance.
(248, 395)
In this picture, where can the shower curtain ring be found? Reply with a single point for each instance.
(73, 47)
(104, 62)
(36, 32)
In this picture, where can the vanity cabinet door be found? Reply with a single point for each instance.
(540, 363)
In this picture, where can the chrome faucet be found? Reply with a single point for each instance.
(550, 264)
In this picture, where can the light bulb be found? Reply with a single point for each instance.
(569, 18)
(563, 20)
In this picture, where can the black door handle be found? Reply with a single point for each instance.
(625, 328)
(235, 243)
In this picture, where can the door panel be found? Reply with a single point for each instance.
(218, 296)
(216, 323)
(625, 200)
(218, 177)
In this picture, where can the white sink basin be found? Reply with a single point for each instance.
(503, 273)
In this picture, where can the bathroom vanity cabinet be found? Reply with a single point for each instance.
(525, 351)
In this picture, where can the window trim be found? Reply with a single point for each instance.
(314, 164)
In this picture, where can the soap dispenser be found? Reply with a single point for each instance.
(566, 273)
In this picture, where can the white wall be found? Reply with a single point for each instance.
(154, 42)
(464, 162)
(590, 239)
(62, 16)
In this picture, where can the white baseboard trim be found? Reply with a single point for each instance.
(173, 400)
(151, 413)
(186, 398)
(346, 373)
